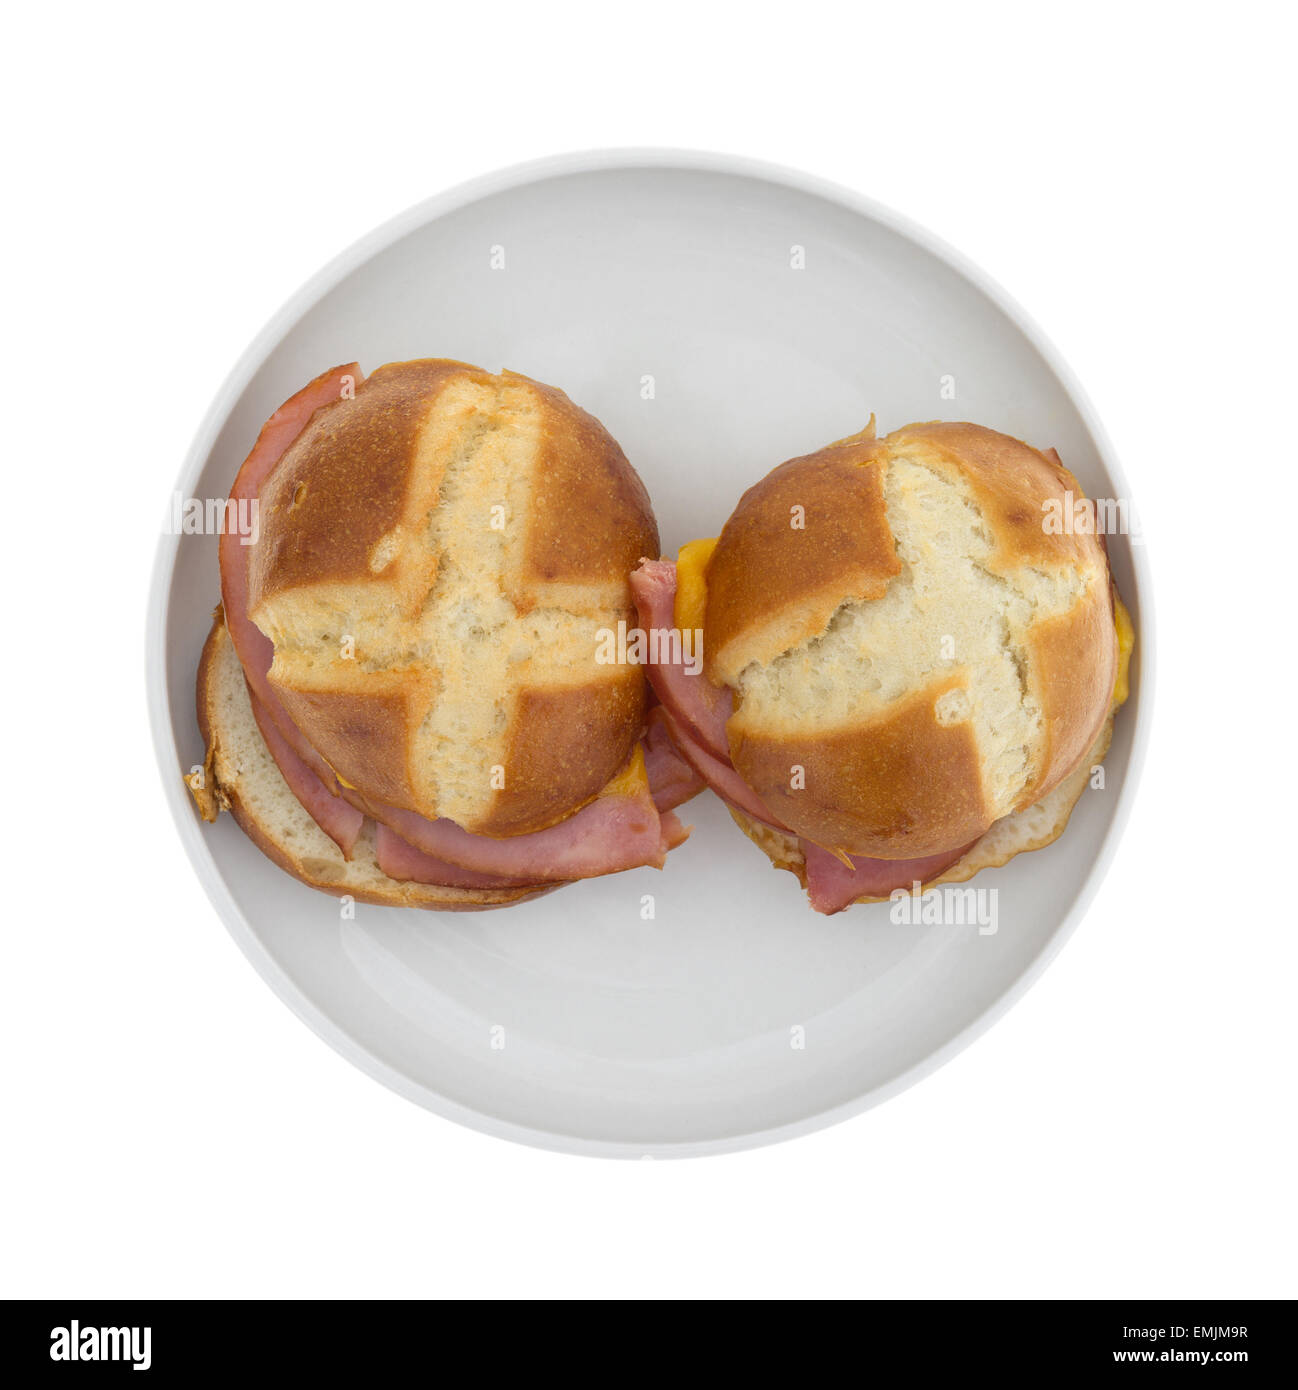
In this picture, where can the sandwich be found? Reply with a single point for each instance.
(909, 674)
(401, 696)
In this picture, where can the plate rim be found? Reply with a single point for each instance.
(164, 734)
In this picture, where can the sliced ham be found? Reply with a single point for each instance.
(340, 820)
(252, 646)
(611, 833)
(672, 780)
(721, 776)
(675, 833)
(832, 886)
(693, 701)
(695, 711)
(398, 859)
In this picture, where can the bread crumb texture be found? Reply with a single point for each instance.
(415, 659)
(959, 620)
(248, 782)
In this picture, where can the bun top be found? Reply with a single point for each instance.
(914, 653)
(436, 557)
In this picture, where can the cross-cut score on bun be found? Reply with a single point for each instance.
(401, 697)
(908, 673)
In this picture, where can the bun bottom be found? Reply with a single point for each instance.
(241, 777)
(1034, 827)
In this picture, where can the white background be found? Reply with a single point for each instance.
(169, 1128)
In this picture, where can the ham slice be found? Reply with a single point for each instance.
(693, 701)
(398, 859)
(695, 712)
(672, 780)
(614, 832)
(675, 833)
(251, 645)
(832, 886)
(721, 776)
(339, 819)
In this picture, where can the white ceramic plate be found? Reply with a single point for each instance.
(673, 1036)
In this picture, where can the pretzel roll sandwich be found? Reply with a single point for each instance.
(908, 672)
(401, 695)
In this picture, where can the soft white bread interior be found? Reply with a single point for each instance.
(915, 653)
(241, 776)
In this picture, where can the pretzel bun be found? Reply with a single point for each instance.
(1034, 827)
(914, 654)
(241, 776)
(436, 557)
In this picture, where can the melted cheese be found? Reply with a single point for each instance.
(1126, 641)
(632, 779)
(692, 583)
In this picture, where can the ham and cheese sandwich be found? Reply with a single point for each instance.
(401, 696)
(908, 675)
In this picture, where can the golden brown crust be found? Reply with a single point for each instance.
(1071, 675)
(209, 796)
(889, 773)
(1025, 831)
(900, 788)
(342, 484)
(564, 747)
(1011, 480)
(811, 534)
(590, 519)
(437, 556)
(363, 737)
(319, 864)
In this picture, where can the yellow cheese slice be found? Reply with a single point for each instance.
(692, 583)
